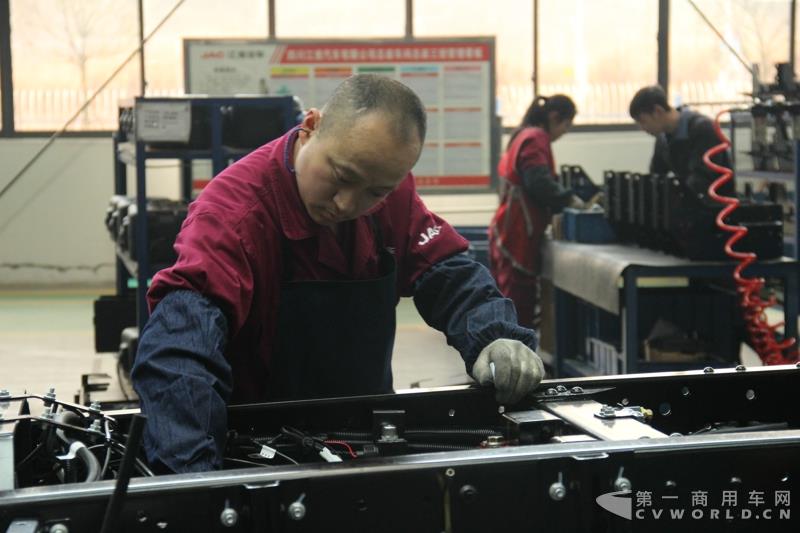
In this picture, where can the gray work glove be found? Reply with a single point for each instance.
(517, 369)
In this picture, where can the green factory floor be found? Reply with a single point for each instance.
(47, 340)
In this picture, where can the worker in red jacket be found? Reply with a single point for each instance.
(529, 196)
(290, 265)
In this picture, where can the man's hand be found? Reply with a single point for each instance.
(575, 202)
(517, 369)
(596, 200)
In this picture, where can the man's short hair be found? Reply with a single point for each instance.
(646, 100)
(366, 93)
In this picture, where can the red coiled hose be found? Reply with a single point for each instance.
(762, 334)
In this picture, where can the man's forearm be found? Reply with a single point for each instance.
(184, 382)
(459, 297)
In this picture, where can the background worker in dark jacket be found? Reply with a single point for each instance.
(682, 138)
(290, 265)
(529, 196)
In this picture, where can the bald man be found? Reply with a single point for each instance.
(290, 265)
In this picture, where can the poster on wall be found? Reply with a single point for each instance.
(454, 78)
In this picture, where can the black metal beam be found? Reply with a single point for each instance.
(792, 32)
(142, 78)
(6, 81)
(535, 76)
(271, 19)
(663, 45)
(409, 19)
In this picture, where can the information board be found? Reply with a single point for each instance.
(454, 78)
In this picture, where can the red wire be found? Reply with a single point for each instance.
(762, 334)
(343, 443)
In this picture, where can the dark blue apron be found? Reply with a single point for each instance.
(335, 338)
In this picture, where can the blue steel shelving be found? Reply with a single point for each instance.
(567, 364)
(132, 152)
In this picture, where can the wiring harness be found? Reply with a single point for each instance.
(66, 443)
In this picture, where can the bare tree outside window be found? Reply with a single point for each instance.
(763, 31)
(703, 72)
(598, 52)
(62, 51)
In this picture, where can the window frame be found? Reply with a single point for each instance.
(8, 128)
(7, 88)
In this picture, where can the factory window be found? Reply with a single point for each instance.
(62, 51)
(343, 18)
(512, 27)
(704, 70)
(197, 19)
(598, 53)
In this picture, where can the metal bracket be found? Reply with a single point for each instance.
(90, 385)
(608, 412)
(584, 416)
(561, 393)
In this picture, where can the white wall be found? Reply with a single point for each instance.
(54, 214)
(596, 152)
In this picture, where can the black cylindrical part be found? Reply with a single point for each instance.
(126, 468)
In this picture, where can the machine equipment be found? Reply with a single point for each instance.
(684, 451)
(661, 213)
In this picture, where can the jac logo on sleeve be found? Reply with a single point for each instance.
(428, 235)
